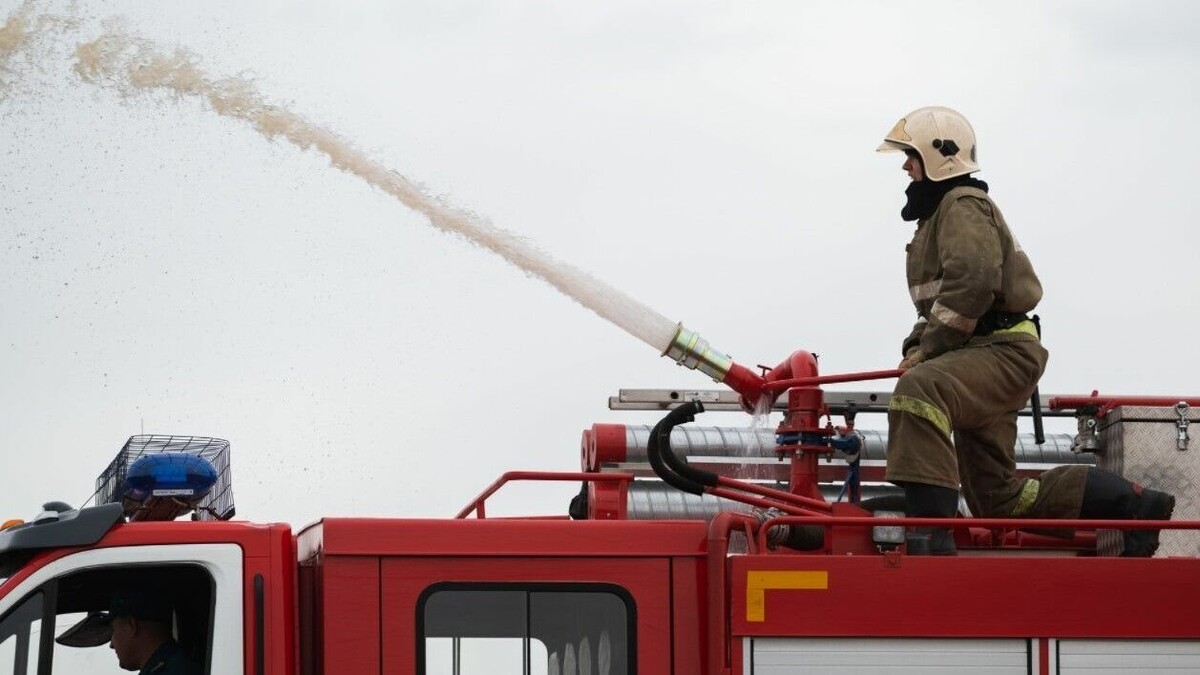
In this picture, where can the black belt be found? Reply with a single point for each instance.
(993, 321)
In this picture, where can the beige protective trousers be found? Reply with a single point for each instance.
(953, 420)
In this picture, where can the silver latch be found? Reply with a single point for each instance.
(1181, 426)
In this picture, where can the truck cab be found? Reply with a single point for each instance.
(64, 567)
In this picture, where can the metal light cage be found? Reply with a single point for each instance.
(217, 505)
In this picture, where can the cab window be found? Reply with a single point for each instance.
(20, 637)
(78, 605)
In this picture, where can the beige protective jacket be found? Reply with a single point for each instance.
(962, 262)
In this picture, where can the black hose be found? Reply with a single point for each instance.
(680, 415)
(663, 471)
(667, 465)
(679, 465)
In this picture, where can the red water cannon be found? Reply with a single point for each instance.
(801, 435)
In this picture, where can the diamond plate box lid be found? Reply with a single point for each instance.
(1141, 413)
(1158, 447)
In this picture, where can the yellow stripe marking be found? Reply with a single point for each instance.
(1029, 494)
(758, 583)
(923, 409)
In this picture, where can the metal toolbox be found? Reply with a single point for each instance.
(1157, 447)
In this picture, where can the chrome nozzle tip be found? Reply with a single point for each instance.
(693, 352)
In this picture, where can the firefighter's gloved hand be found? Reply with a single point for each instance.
(914, 357)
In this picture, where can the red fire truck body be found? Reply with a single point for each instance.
(618, 588)
(354, 596)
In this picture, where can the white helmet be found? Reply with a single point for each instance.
(941, 136)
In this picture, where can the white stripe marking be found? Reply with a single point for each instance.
(952, 318)
(926, 290)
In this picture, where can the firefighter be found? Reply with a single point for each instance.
(141, 635)
(137, 627)
(974, 357)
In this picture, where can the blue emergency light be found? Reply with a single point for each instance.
(169, 474)
(160, 477)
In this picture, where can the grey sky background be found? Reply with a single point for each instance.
(160, 264)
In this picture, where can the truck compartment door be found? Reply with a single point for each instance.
(886, 656)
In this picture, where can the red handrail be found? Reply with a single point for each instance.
(780, 385)
(718, 613)
(477, 505)
(1105, 404)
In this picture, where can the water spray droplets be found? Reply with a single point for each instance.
(13, 35)
(133, 66)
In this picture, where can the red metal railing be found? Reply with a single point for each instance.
(780, 385)
(477, 505)
(1105, 404)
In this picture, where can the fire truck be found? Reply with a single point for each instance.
(689, 550)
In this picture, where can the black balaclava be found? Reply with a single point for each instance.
(924, 195)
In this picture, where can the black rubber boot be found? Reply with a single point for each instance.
(930, 501)
(1109, 496)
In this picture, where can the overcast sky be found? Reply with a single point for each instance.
(168, 269)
